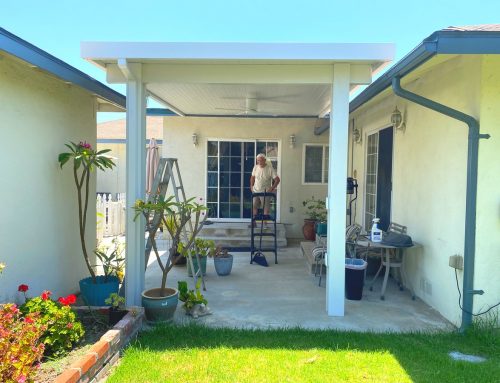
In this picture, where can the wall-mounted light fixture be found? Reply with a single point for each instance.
(195, 139)
(291, 141)
(397, 120)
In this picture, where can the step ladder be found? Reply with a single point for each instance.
(168, 173)
(258, 230)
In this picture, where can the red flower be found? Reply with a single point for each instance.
(63, 301)
(45, 295)
(28, 320)
(71, 299)
(23, 288)
(69, 325)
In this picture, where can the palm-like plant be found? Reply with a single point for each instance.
(85, 161)
(173, 216)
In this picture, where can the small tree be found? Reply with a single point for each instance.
(174, 216)
(85, 161)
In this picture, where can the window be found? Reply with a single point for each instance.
(371, 180)
(315, 169)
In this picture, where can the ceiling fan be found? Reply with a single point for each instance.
(251, 107)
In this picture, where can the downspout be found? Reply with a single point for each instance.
(470, 197)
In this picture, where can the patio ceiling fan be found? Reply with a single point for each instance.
(251, 106)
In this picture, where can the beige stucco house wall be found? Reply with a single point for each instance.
(39, 239)
(192, 159)
(429, 176)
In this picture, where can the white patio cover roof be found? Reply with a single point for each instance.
(259, 79)
(285, 79)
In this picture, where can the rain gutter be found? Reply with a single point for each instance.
(470, 195)
(451, 42)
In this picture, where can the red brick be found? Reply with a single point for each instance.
(71, 375)
(100, 348)
(85, 362)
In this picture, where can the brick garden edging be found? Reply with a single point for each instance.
(105, 353)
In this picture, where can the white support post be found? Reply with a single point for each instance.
(136, 181)
(336, 201)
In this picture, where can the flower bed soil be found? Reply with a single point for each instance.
(95, 323)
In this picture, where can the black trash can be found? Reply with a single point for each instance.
(354, 278)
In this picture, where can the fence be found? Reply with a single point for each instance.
(110, 215)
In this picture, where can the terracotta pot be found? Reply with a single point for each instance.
(309, 230)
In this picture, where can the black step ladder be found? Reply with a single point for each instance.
(168, 173)
(258, 230)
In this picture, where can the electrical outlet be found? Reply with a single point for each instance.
(456, 262)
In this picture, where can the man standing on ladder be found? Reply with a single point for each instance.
(263, 179)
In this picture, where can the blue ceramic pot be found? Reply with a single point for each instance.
(94, 294)
(160, 308)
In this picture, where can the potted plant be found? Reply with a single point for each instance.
(223, 261)
(85, 160)
(315, 210)
(117, 308)
(202, 247)
(195, 303)
(111, 259)
(160, 303)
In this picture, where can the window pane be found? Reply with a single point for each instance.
(212, 179)
(327, 158)
(212, 210)
(313, 162)
(224, 148)
(212, 164)
(224, 179)
(235, 149)
(224, 164)
(234, 210)
(235, 195)
(224, 210)
(212, 148)
(236, 164)
(211, 194)
(272, 149)
(261, 147)
(235, 179)
(224, 194)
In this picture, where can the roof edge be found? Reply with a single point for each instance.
(31, 54)
(439, 42)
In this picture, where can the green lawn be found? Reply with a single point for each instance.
(197, 354)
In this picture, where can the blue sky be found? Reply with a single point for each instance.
(58, 26)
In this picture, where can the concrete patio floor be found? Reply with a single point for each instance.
(285, 295)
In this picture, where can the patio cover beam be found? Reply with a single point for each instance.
(241, 73)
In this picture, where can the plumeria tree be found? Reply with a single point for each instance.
(174, 216)
(85, 160)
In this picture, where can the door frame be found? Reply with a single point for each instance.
(365, 160)
(278, 171)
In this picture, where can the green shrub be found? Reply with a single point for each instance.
(20, 347)
(63, 330)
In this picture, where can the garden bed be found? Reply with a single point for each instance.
(97, 351)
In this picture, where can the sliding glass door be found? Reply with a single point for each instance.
(229, 167)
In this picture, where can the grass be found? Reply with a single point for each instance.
(172, 353)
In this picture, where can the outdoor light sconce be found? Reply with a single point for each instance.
(397, 120)
(195, 139)
(356, 135)
(291, 141)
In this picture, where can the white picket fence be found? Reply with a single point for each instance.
(110, 215)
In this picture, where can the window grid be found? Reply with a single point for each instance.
(322, 164)
(371, 180)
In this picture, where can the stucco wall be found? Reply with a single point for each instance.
(192, 160)
(429, 175)
(487, 266)
(39, 238)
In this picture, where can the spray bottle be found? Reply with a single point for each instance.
(376, 233)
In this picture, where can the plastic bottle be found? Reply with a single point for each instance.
(376, 233)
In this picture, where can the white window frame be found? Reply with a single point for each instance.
(324, 162)
(232, 139)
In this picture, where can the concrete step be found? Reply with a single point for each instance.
(237, 234)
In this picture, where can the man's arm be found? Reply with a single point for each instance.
(252, 181)
(276, 181)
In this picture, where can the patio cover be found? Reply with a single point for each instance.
(188, 77)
